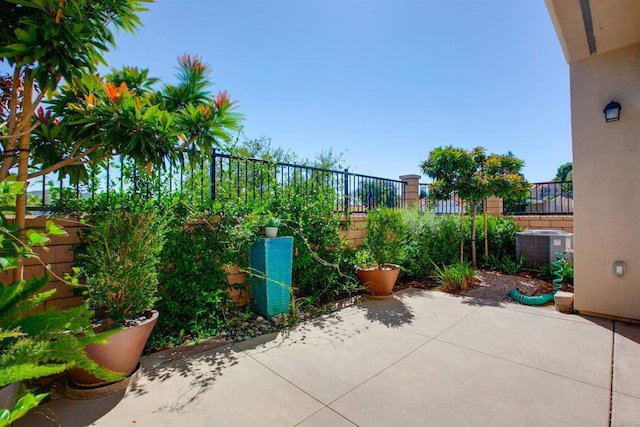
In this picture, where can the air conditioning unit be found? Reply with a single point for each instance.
(539, 247)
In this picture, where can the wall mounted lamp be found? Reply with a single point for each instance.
(612, 111)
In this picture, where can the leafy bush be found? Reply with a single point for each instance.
(385, 238)
(119, 257)
(506, 264)
(547, 272)
(457, 275)
(502, 236)
(322, 264)
(192, 280)
(430, 239)
(37, 343)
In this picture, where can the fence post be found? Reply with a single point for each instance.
(212, 175)
(346, 191)
(410, 190)
(495, 206)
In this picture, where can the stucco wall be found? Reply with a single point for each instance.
(606, 173)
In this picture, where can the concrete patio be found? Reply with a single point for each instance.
(421, 358)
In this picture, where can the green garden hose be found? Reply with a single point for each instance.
(516, 295)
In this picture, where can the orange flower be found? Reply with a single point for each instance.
(222, 100)
(90, 99)
(115, 94)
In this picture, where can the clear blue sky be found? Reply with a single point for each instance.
(383, 81)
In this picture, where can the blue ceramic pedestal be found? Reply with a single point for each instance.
(270, 260)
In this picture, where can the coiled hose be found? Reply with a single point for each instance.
(558, 264)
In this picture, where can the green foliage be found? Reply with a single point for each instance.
(547, 272)
(386, 232)
(272, 222)
(120, 259)
(430, 239)
(21, 408)
(322, 266)
(502, 235)
(473, 176)
(564, 173)
(506, 264)
(457, 275)
(192, 280)
(33, 342)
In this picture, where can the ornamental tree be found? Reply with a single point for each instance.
(45, 42)
(473, 176)
(53, 48)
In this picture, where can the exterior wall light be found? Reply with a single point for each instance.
(612, 111)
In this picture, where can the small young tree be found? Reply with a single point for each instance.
(473, 176)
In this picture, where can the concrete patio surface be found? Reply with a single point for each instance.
(421, 358)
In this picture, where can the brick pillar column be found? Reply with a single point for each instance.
(494, 206)
(411, 194)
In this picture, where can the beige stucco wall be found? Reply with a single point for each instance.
(606, 159)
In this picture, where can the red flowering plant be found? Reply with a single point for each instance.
(122, 113)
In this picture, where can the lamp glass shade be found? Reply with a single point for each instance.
(612, 111)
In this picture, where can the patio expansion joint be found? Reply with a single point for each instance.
(429, 339)
(613, 354)
(330, 409)
(521, 364)
(294, 385)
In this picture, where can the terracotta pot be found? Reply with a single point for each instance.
(379, 281)
(120, 354)
(8, 395)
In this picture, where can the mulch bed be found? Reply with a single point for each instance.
(491, 285)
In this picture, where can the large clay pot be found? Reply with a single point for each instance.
(120, 354)
(8, 395)
(379, 281)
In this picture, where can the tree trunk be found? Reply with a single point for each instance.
(486, 235)
(473, 234)
(23, 160)
(462, 231)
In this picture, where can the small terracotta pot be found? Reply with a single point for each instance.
(379, 281)
(120, 354)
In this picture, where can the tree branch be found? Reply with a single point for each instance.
(15, 135)
(71, 161)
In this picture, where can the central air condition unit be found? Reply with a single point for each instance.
(539, 247)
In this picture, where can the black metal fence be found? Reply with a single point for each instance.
(545, 198)
(217, 176)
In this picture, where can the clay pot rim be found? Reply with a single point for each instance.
(383, 267)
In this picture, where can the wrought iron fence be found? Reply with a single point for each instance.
(545, 198)
(218, 176)
(450, 206)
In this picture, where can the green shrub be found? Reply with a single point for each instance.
(119, 257)
(502, 236)
(457, 275)
(194, 301)
(430, 239)
(322, 264)
(385, 236)
(547, 272)
(37, 343)
(507, 264)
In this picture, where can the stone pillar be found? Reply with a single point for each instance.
(495, 206)
(411, 194)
